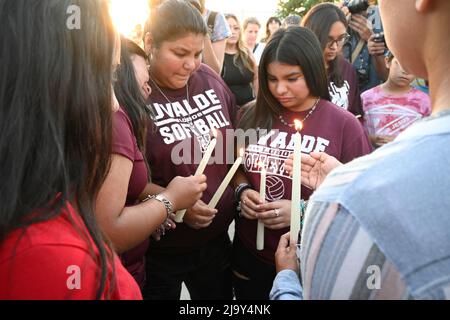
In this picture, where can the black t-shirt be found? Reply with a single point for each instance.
(238, 80)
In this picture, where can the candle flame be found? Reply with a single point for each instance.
(261, 165)
(214, 132)
(298, 125)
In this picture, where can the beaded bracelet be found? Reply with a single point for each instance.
(241, 188)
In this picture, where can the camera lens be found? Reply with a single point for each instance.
(358, 6)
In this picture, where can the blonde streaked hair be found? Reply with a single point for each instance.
(243, 53)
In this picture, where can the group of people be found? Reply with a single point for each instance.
(101, 150)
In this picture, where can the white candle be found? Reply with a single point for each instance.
(262, 195)
(223, 186)
(201, 168)
(296, 184)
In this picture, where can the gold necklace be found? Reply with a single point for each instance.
(291, 125)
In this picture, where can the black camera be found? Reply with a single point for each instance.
(362, 76)
(357, 6)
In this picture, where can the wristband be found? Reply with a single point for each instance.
(241, 188)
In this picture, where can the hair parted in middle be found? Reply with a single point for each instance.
(295, 46)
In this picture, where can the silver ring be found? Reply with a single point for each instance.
(277, 213)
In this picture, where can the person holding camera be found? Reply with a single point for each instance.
(366, 46)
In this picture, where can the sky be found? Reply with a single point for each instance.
(127, 13)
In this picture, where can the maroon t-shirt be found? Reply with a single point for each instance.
(183, 120)
(125, 144)
(347, 96)
(329, 129)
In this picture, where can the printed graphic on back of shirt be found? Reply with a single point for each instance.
(390, 119)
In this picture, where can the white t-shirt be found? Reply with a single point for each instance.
(258, 51)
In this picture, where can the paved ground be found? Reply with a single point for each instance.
(184, 291)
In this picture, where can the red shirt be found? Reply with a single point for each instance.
(125, 144)
(51, 260)
(329, 129)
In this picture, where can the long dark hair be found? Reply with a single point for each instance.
(320, 19)
(128, 92)
(294, 46)
(174, 19)
(55, 114)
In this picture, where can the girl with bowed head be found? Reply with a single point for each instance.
(124, 217)
(188, 101)
(293, 86)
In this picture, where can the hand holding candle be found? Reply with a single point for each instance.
(262, 194)
(296, 184)
(223, 186)
(201, 168)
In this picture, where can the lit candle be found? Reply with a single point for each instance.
(223, 186)
(296, 184)
(262, 195)
(201, 168)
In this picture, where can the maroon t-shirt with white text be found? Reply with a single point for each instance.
(125, 144)
(329, 129)
(181, 132)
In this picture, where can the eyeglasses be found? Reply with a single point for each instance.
(339, 41)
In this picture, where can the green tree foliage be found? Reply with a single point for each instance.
(300, 7)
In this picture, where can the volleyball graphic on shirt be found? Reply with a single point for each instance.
(339, 95)
(274, 188)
